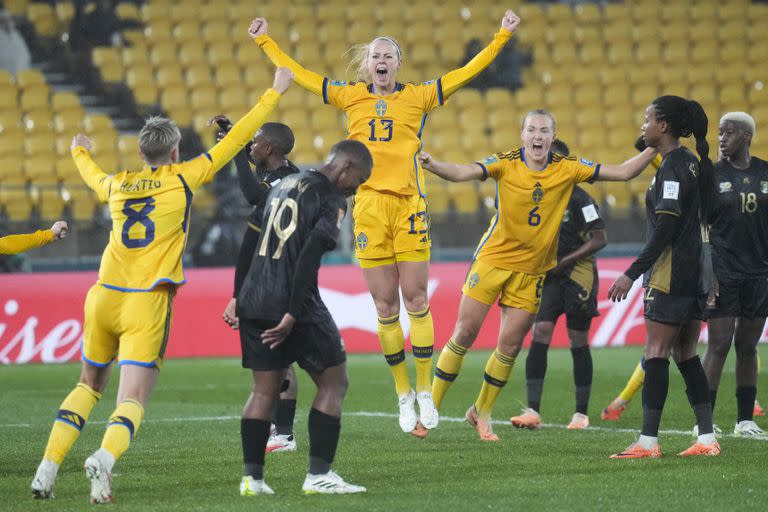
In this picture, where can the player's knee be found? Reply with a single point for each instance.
(416, 304)
(719, 348)
(746, 351)
(464, 334)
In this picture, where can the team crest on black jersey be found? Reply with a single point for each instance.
(538, 194)
(764, 187)
(725, 186)
(567, 216)
(473, 280)
(693, 169)
(361, 241)
(747, 181)
(381, 108)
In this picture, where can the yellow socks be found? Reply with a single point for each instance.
(392, 345)
(634, 384)
(448, 368)
(422, 344)
(497, 371)
(123, 424)
(70, 420)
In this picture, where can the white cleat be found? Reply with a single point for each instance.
(251, 487)
(42, 484)
(281, 443)
(329, 483)
(408, 416)
(98, 468)
(749, 429)
(578, 421)
(427, 412)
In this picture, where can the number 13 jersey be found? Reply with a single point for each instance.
(529, 209)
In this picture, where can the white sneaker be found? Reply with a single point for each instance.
(42, 484)
(427, 412)
(408, 416)
(98, 468)
(715, 429)
(281, 443)
(251, 487)
(329, 483)
(749, 429)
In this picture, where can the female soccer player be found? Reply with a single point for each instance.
(14, 244)
(392, 238)
(533, 188)
(672, 263)
(739, 239)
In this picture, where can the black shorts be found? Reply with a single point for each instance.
(673, 309)
(746, 298)
(314, 346)
(563, 295)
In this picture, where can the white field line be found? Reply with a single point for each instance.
(375, 414)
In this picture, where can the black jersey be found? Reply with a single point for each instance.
(268, 179)
(675, 191)
(739, 220)
(300, 222)
(581, 216)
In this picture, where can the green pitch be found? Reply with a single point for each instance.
(187, 454)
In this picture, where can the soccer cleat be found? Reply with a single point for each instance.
(281, 443)
(98, 468)
(428, 415)
(578, 421)
(45, 477)
(482, 426)
(613, 411)
(749, 429)
(701, 449)
(635, 451)
(758, 410)
(329, 483)
(420, 431)
(408, 416)
(530, 419)
(251, 487)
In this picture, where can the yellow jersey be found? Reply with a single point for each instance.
(14, 244)
(150, 208)
(530, 206)
(390, 126)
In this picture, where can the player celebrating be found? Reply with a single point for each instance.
(674, 278)
(533, 188)
(739, 237)
(128, 311)
(14, 244)
(570, 288)
(269, 153)
(392, 239)
(283, 319)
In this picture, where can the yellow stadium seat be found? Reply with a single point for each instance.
(163, 54)
(499, 98)
(671, 12)
(587, 14)
(34, 98)
(198, 76)
(27, 78)
(646, 31)
(12, 144)
(704, 93)
(298, 12)
(203, 99)
(150, 12)
(308, 53)
(642, 95)
(232, 101)
(468, 99)
(221, 51)
(589, 119)
(619, 53)
(65, 101)
(16, 204)
(174, 96)
(68, 122)
(159, 32)
(184, 12)
(675, 54)
(332, 11)
(702, 13)
(587, 35)
(112, 73)
(701, 32)
(438, 200)
(733, 93)
(590, 54)
(641, 75)
(464, 197)
(327, 119)
(145, 94)
(44, 19)
(648, 53)
(38, 121)
(757, 54)
(439, 142)
(726, 13)
(127, 144)
(228, 75)
(217, 30)
(39, 166)
(587, 96)
(81, 203)
(169, 75)
(134, 56)
(192, 53)
(616, 94)
(65, 11)
(758, 97)
(559, 95)
(51, 205)
(564, 54)
(102, 55)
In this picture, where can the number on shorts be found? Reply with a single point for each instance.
(138, 217)
(418, 215)
(274, 223)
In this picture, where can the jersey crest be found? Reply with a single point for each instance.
(381, 108)
(764, 187)
(538, 193)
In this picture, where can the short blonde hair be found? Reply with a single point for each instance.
(741, 118)
(360, 53)
(158, 137)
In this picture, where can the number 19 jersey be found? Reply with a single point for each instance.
(529, 209)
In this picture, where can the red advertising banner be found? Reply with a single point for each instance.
(41, 315)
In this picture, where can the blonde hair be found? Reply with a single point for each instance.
(157, 138)
(359, 53)
(741, 118)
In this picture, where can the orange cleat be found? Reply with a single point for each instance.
(530, 419)
(420, 431)
(758, 411)
(578, 421)
(701, 449)
(482, 426)
(635, 451)
(613, 411)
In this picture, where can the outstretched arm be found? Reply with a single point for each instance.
(94, 177)
(452, 172)
(454, 80)
(15, 244)
(304, 77)
(627, 170)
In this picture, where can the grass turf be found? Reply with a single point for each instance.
(187, 454)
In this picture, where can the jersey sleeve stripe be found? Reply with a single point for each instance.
(325, 91)
(594, 174)
(188, 207)
(667, 212)
(440, 99)
(485, 171)
(208, 156)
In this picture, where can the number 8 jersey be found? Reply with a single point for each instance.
(529, 209)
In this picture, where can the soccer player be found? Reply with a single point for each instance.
(571, 289)
(283, 319)
(672, 261)
(738, 223)
(391, 221)
(533, 187)
(268, 151)
(128, 310)
(14, 244)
